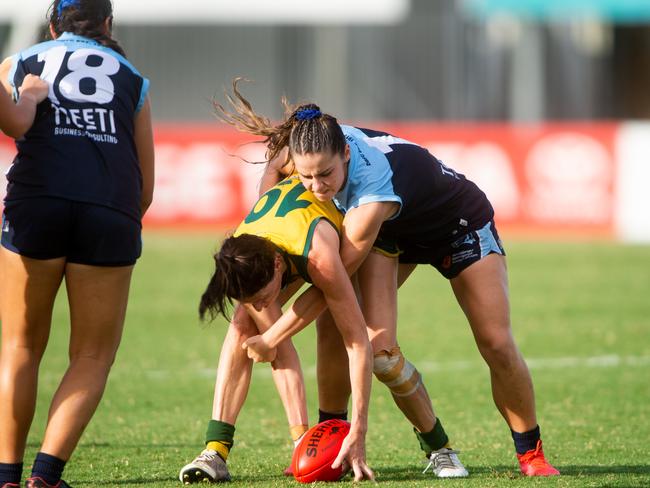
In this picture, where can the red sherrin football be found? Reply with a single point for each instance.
(313, 456)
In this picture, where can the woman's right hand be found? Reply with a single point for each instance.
(258, 350)
(34, 87)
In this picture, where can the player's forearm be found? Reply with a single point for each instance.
(360, 361)
(352, 326)
(302, 312)
(18, 118)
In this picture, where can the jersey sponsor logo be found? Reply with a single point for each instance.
(95, 123)
(465, 240)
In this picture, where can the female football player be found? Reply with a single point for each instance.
(403, 207)
(288, 237)
(17, 118)
(77, 191)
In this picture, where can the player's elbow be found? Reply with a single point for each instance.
(15, 130)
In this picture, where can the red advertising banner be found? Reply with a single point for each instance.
(545, 178)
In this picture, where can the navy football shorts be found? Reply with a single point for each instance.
(449, 258)
(83, 233)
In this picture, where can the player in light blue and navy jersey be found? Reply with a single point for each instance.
(403, 207)
(94, 96)
(437, 205)
(76, 194)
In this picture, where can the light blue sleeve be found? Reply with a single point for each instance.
(12, 75)
(143, 94)
(371, 179)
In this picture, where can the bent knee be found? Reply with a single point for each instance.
(23, 352)
(242, 324)
(499, 350)
(94, 361)
(396, 372)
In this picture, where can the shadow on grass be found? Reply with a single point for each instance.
(574, 470)
(120, 445)
(139, 481)
(398, 474)
(410, 474)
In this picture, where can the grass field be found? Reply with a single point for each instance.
(581, 315)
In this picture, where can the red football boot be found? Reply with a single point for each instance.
(533, 463)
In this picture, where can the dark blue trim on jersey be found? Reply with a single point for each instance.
(76, 41)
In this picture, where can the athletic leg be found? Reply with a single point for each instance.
(29, 288)
(482, 292)
(231, 388)
(379, 277)
(98, 298)
(331, 370)
(378, 282)
(234, 374)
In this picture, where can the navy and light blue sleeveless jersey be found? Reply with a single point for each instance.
(436, 203)
(81, 146)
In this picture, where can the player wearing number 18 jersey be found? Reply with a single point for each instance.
(94, 95)
(289, 236)
(76, 193)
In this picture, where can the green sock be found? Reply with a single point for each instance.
(434, 440)
(220, 437)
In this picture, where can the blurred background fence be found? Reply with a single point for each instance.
(544, 103)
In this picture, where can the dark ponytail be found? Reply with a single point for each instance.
(84, 18)
(243, 266)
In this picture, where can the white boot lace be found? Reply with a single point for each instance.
(442, 459)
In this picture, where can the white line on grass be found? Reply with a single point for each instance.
(606, 361)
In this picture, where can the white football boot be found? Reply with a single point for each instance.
(207, 467)
(445, 464)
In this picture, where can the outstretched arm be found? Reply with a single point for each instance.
(329, 275)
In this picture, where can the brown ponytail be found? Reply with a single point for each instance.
(305, 129)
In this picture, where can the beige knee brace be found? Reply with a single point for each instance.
(393, 370)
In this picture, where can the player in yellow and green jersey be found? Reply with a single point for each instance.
(288, 238)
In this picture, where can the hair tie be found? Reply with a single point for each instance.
(307, 113)
(63, 4)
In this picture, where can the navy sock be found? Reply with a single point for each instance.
(10, 473)
(323, 416)
(48, 468)
(525, 441)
